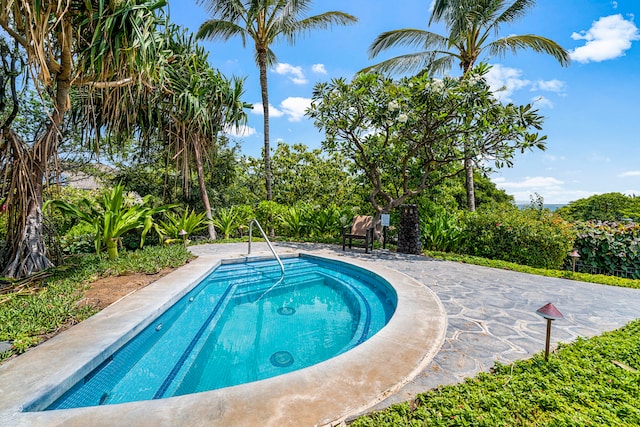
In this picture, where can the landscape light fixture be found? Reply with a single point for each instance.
(574, 258)
(549, 312)
(183, 233)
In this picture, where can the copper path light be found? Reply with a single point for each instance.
(549, 312)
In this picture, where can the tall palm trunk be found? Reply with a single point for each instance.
(262, 65)
(468, 161)
(471, 193)
(203, 189)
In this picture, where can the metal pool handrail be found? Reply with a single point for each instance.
(266, 240)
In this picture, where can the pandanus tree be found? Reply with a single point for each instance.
(265, 22)
(197, 105)
(472, 30)
(108, 49)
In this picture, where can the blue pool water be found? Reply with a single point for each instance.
(236, 327)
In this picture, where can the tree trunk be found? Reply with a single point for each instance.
(471, 194)
(203, 190)
(28, 253)
(25, 250)
(262, 65)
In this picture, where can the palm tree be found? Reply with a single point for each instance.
(470, 25)
(264, 22)
(198, 104)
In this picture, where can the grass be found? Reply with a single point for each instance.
(44, 307)
(591, 382)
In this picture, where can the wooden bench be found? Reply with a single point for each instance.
(361, 228)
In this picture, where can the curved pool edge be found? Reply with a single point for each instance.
(323, 394)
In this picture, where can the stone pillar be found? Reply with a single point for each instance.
(409, 230)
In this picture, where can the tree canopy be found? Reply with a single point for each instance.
(412, 134)
(602, 207)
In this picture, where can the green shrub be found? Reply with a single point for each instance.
(267, 213)
(440, 230)
(609, 247)
(189, 222)
(325, 222)
(294, 220)
(533, 237)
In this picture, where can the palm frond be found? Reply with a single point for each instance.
(529, 41)
(516, 11)
(407, 37)
(322, 21)
(403, 64)
(216, 29)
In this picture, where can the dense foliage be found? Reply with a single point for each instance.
(603, 207)
(589, 382)
(609, 247)
(406, 136)
(533, 237)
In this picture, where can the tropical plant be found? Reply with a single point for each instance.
(609, 248)
(325, 222)
(471, 27)
(410, 135)
(198, 104)
(112, 216)
(178, 228)
(440, 230)
(106, 51)
(294, 220)
(264, 22)
(227, 220)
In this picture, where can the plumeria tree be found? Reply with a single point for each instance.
(472, 28)
(412, 134)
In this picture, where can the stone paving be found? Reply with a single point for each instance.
(491, 312)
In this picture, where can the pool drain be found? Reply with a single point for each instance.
(286, 311)
(281, 359)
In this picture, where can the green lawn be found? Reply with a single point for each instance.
(591, 382)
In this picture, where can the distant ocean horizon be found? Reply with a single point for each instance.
(551, 206)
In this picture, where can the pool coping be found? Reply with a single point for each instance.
(323, 394)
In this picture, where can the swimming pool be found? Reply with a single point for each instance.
(242, 324)
(324, 393)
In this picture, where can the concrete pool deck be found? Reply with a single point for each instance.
(326, 393)
(490, 316)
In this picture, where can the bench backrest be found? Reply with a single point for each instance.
(360, 224)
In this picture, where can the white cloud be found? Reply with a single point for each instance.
(630, 173)
(542, 102)
(554, 85)
(318, 69)
(614, 4)
(535, 181)
(608, 38)
(241, 131)
(273, 111)
(294, 73)
(294, 107)
(504, 81)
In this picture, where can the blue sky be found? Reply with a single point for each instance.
(591, 108)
